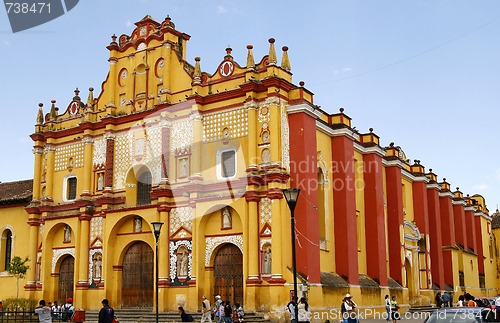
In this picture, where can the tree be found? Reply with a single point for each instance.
(18, 269)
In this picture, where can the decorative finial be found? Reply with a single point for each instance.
(250, 59)
(90, 99)
(341, 109)
(285, 62)
(197, 71)
(113, 40)
(39, 117)
(444, 179)
(272, 52)
(53, 110)
(302, 83)
(458, 188)
(76, 97)
(371, 129)
(430, 170)
(228, 53)
(391, 144)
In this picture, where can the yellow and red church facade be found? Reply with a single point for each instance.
(208, 154)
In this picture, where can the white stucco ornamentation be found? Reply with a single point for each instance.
(211, 243)
(58, 253)
(99, 157)
(265, 210)
(181, 216)
(96, 226)
(174, 245)
(182, 135)
(236, 120)
(122, 156)
(285, 139)
(65, 152)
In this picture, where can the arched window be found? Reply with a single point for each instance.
(144, 189)
(6, 249)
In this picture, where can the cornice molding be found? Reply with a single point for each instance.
(303, 108)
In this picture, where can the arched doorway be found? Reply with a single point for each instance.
(66, 279)
(228, 273)
(137, 276)
(410, 282)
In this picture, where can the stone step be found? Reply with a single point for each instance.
(148, 315)
(422, 308)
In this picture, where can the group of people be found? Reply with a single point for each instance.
(443, 300)
(392, 308)
(48, 312)
(299, 310)
(222, 312)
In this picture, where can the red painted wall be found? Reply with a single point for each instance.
(459, 221)
(436, 244)
(374, 218)
(304, 175)
(478, 248)
(447, 223)
(394, 221)
(344, 209)
(420, 206)
(470, 228)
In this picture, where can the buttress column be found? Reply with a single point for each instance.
(344, 206)
(374, 206)
(436, 243)
(395, 216)
(448, 234)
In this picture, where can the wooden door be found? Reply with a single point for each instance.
(137, 276)
(66, 279)
(228, 274)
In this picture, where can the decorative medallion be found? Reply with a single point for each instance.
(73, 108)
(226, 68)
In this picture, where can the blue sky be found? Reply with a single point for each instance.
(424, 74)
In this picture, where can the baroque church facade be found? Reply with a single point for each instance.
(208, 154)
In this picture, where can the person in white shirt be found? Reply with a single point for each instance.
(43, 312)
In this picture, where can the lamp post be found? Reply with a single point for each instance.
(291, 196)
(157, 230)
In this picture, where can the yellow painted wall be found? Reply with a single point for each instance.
(15, 219)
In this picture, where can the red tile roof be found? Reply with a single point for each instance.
(16, 192)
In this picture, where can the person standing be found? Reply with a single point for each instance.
(56, 310)
(43, 312)
(388, 306)
(218, 301)
(350, 309)
(304, 315)
(394, 309)
(205, 310)
(67, 310)
(291, 308)
(439, 300)
(446, 299)
(106, 314)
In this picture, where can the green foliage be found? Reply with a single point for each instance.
(20, 304)
(18, 269)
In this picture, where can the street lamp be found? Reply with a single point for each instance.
(157, 230)
(291, 196)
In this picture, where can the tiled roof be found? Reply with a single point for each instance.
(495, 221)
(16, 192)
